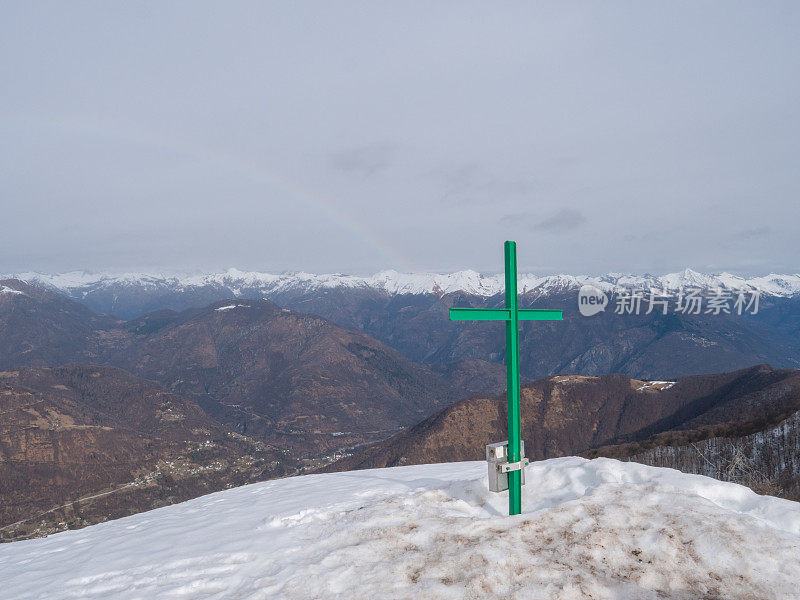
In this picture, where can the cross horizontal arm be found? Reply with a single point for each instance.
(480, 314)
(539, 314)
(503, 314)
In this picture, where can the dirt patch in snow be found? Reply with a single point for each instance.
(635, 542)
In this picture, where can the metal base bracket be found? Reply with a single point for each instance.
(499, 467)
(517, 466)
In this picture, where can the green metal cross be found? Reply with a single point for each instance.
(512, 316)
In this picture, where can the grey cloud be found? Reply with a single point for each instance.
(564, 220)
(365, 160)
(471, 182)
(561, 222)
(754, 233)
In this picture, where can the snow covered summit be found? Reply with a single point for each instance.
(589, 529)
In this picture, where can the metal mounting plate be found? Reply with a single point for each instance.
(516, 466)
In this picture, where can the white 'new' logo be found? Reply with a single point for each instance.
(591, 300)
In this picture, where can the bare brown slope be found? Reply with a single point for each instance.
(74, 432)
(573, 414)
(291, 378)
(41, 328)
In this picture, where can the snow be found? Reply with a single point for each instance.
(655, 385)
(601, 529)
(230, 306)
(393, 282)
(4, 289)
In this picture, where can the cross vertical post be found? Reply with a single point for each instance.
(512, 315)
(512, 380)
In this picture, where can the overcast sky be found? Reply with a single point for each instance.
(355, 137)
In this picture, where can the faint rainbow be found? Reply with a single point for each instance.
(230, 162)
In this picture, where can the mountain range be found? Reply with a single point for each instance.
(285, 381)
(128, 295)
(266, 370)
(408, 312)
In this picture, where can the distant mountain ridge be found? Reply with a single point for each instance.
(393, 282)
(646, 345)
